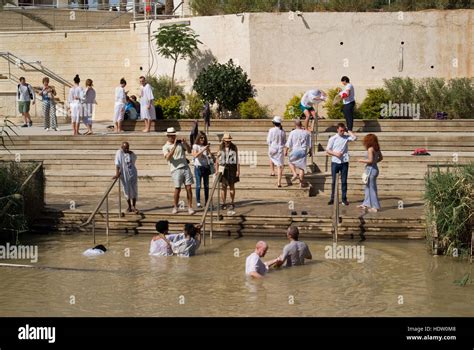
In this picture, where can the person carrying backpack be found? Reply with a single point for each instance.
(25, 97)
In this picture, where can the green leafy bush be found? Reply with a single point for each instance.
(450, 209)
(334, 111)
(217, 7)
(372, 104)
(455, 96)
(251, 109)
(193, 106)
(461, 98)
(292, 109)
(171, 107)
(161, 87)
(226, 84)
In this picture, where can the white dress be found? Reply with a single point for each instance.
(147, 98)
(75, 98)
(276, 140)
(119, 108)
(299, 141)
(128, 173)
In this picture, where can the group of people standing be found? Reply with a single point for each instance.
(205, 162)
(298, 146)
(81, 103)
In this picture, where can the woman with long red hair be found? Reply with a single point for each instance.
(373, 156)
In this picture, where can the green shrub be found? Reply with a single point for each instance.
(161, 87)
(226, 84)
(450, 209)
(334, 111)
(461, 98)
(216, 7)
(456, 96)
(251, 109)
(292, 109)
(401, 90)
(193, 106)
(171, 106)
(373, 103)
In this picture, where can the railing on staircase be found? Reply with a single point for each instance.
(210, 206)
(104, 198)
(335, 210)
(37, 67)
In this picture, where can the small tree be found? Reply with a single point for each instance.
(176, 42)
(226, 84)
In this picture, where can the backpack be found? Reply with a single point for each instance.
(28, 86)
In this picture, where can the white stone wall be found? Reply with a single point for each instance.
(277, 52)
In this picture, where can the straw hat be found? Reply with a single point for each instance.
(170, 131)
(226, 136)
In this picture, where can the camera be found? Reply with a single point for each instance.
(178, 141)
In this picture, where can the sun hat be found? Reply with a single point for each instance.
(276, 119)
(226, 136)
(170, 131)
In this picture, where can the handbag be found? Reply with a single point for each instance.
(365, 177)
(212, 167)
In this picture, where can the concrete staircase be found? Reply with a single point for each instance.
(82, 167)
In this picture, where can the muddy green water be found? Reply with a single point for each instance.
(395, 279)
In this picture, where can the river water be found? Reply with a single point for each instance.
(396, 278)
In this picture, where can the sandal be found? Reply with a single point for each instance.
(129, 210)
(136, 211)
(272, 174)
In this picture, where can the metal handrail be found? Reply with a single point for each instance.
(122, 13)
(443, 165)
(335, 210)
(104, 198)
(17, 61)
(209, 204)
(10, 201)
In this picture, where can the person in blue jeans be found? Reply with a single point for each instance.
(338, 148)
(347, 95)
(373, 156)
(202, 159)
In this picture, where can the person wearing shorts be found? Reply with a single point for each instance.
(174, 151)
(309, 99)
(25, 97)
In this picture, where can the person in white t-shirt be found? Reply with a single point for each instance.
(25, 97)
(348, 99)
(203, 159)
(338, 148)
(310, 99)
(96, 251)
(254, 266)
(160, 244)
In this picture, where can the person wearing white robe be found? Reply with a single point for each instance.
(127, 171)
(276, 140)
(119, 108)
(75, 98)
(147, 106)
(299, 141)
